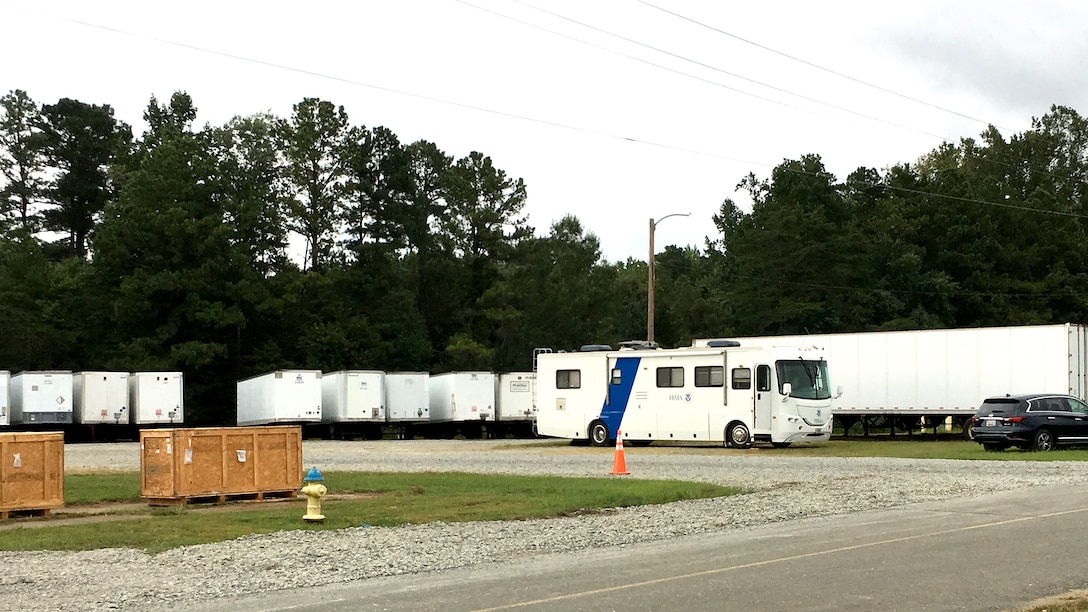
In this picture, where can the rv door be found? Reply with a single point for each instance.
(763, 399)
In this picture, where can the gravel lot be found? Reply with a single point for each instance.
(786, 488)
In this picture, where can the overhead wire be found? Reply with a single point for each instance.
(627, 39)
(848, 77)
(691, 61)
(815, 65)
(506, 114)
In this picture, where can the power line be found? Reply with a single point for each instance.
(692, 61)
(817, 66)
(517, 116)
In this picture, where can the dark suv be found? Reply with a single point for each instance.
(1032, 422)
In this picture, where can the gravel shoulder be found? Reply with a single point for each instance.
(785, 488)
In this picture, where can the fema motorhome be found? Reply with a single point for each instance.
(726, 392)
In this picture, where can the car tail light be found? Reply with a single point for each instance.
(1015, 419)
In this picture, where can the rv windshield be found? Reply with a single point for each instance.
(808, 378)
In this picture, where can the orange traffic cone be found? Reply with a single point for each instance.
(619, 463)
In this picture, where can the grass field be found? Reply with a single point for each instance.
(355, 499)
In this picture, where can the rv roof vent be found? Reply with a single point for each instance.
(636, 345)
(589, 348)
(722, 343)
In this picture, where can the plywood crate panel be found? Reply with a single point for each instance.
(179, 464)
(31, 471)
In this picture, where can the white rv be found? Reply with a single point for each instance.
(100, 398)
(156, 398)
(407, 397)
(283, 396)
(462, 396)
(41, 397)
(353, 396)
(723, 393)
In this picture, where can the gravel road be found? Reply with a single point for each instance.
(786, 487)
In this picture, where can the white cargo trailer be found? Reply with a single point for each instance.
(100, 398)
(407, 397)
(941, 373)
(462, 396)
(5, 398)
(282, 396)
(41, 397)
(517, 396)
(352, 396)
(156, 398)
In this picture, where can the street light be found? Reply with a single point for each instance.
(650, 287)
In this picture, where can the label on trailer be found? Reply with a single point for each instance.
(519, 386)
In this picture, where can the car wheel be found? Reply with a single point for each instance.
(738, 436)
(969, 429)
(1044, 441)
(598, 434)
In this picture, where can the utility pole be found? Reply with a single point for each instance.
(650, 285)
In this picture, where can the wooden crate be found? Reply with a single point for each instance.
(219, 463)
(31, 472)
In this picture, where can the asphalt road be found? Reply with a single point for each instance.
(996, 552)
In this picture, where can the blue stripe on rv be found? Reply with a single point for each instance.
(615, 401)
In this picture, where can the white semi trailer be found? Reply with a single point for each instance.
(157, 398)
(5, 401)
(515, 397)
(462, 403)
(943, 375)
(100, 398)
(41, 397)
(282, 396)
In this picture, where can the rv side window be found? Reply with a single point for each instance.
(742, 378)
(568, 379)
(670, 377)
(617, 376)
(763, 378)
(709, 376)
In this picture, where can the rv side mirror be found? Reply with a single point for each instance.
(838, 392)
(787, 389)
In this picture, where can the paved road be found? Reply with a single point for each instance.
(990, 553)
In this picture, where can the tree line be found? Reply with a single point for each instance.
(171, 250)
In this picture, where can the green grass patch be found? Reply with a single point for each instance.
(368, 499)
(922, 448)
(101, 487)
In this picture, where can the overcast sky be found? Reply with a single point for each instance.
(615, 111)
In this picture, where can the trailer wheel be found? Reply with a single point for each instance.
(598, 434)
(1044, 441)
(738, 436)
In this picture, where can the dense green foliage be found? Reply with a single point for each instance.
(171, 250)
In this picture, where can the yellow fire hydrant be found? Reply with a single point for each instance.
(314, 491)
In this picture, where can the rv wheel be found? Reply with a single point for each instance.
(598, 434)
(738, 436)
